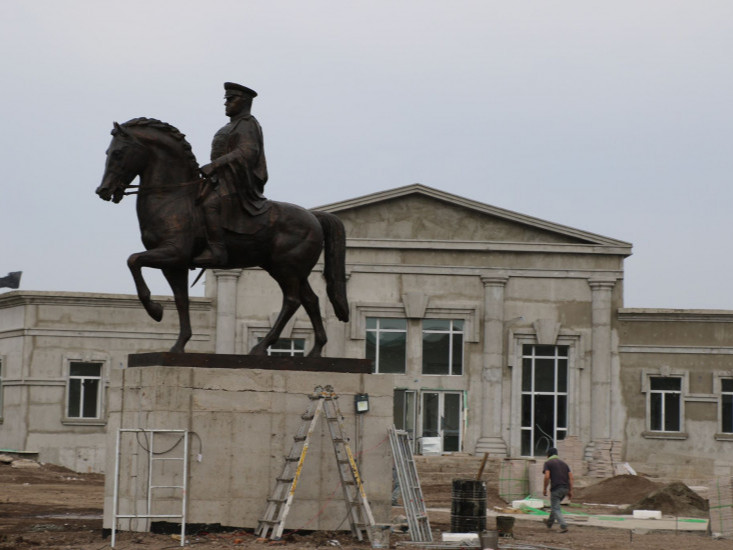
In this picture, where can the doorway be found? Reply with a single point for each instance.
(544, 398)
(404, 413)
(442, 417)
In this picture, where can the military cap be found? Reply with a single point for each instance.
(233, 88)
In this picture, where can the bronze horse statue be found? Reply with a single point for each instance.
(286, 241)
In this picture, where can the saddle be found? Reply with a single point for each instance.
(245, 217)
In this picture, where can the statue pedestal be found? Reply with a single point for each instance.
(241, 422)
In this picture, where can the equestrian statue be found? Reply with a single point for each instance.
(216, 216)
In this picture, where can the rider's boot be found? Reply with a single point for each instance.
(215, 254)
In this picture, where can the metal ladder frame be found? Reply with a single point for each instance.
(322, 401)
(151, 459)
(412, 497)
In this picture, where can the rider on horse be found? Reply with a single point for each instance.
(235, 178)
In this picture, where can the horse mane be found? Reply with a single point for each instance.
(171, 130)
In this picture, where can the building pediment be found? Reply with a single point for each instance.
(423, 214)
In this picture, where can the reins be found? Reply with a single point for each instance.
(161, 188)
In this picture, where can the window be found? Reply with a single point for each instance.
(442, 346)
(287, 347)
(726, 405)
(386, 344)
(84, 390)
(665, 398)
(544, 398)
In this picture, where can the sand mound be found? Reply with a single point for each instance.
(675, 499)
(624, 489)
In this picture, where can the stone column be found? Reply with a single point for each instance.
(226, 308)
(491, 440)
(601, 291)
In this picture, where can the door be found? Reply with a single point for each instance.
(442, 414)
(404, 413)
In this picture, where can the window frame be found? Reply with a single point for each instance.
(451, 332)
(469, 313)
(286, 352)
(377, 332)
(718, 378)
(658, 399)
(100, 419)
(664, 372)
(556, 393)
(578, 353)
(250, 333)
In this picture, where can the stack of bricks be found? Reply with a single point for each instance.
(570, 450)
(721, 507)
(605, 455)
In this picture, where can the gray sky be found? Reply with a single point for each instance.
(611, 117)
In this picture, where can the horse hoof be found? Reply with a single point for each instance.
(258, 350)
(177, 349)
(155, 310)
(314, 353)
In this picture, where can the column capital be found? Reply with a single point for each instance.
(602, 283)
(494, 280)
(227, 273)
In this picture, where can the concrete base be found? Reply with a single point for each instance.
(241, 425)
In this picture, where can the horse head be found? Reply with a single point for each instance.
(146, 146)
(126, 159)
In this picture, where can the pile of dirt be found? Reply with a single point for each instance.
(623, 489)
(675, 499)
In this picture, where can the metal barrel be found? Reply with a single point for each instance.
(468, 506)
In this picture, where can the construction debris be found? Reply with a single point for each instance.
(606, 453)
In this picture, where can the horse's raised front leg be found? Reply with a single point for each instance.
(178, 281)
(158, 258)
(291, 303)
(154, 309)
(310, 303)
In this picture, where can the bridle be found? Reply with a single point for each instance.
(128, 138)
(160, 189)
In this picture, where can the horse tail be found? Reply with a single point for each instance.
(334, 269)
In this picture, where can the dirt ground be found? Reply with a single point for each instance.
(51, 508)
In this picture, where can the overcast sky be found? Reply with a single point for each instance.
(611, 117)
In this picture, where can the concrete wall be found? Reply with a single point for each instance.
(242, 424)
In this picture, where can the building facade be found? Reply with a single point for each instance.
(57, 351)
(501, 333)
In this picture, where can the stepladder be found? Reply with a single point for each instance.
(412, 497)
(323, 402)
